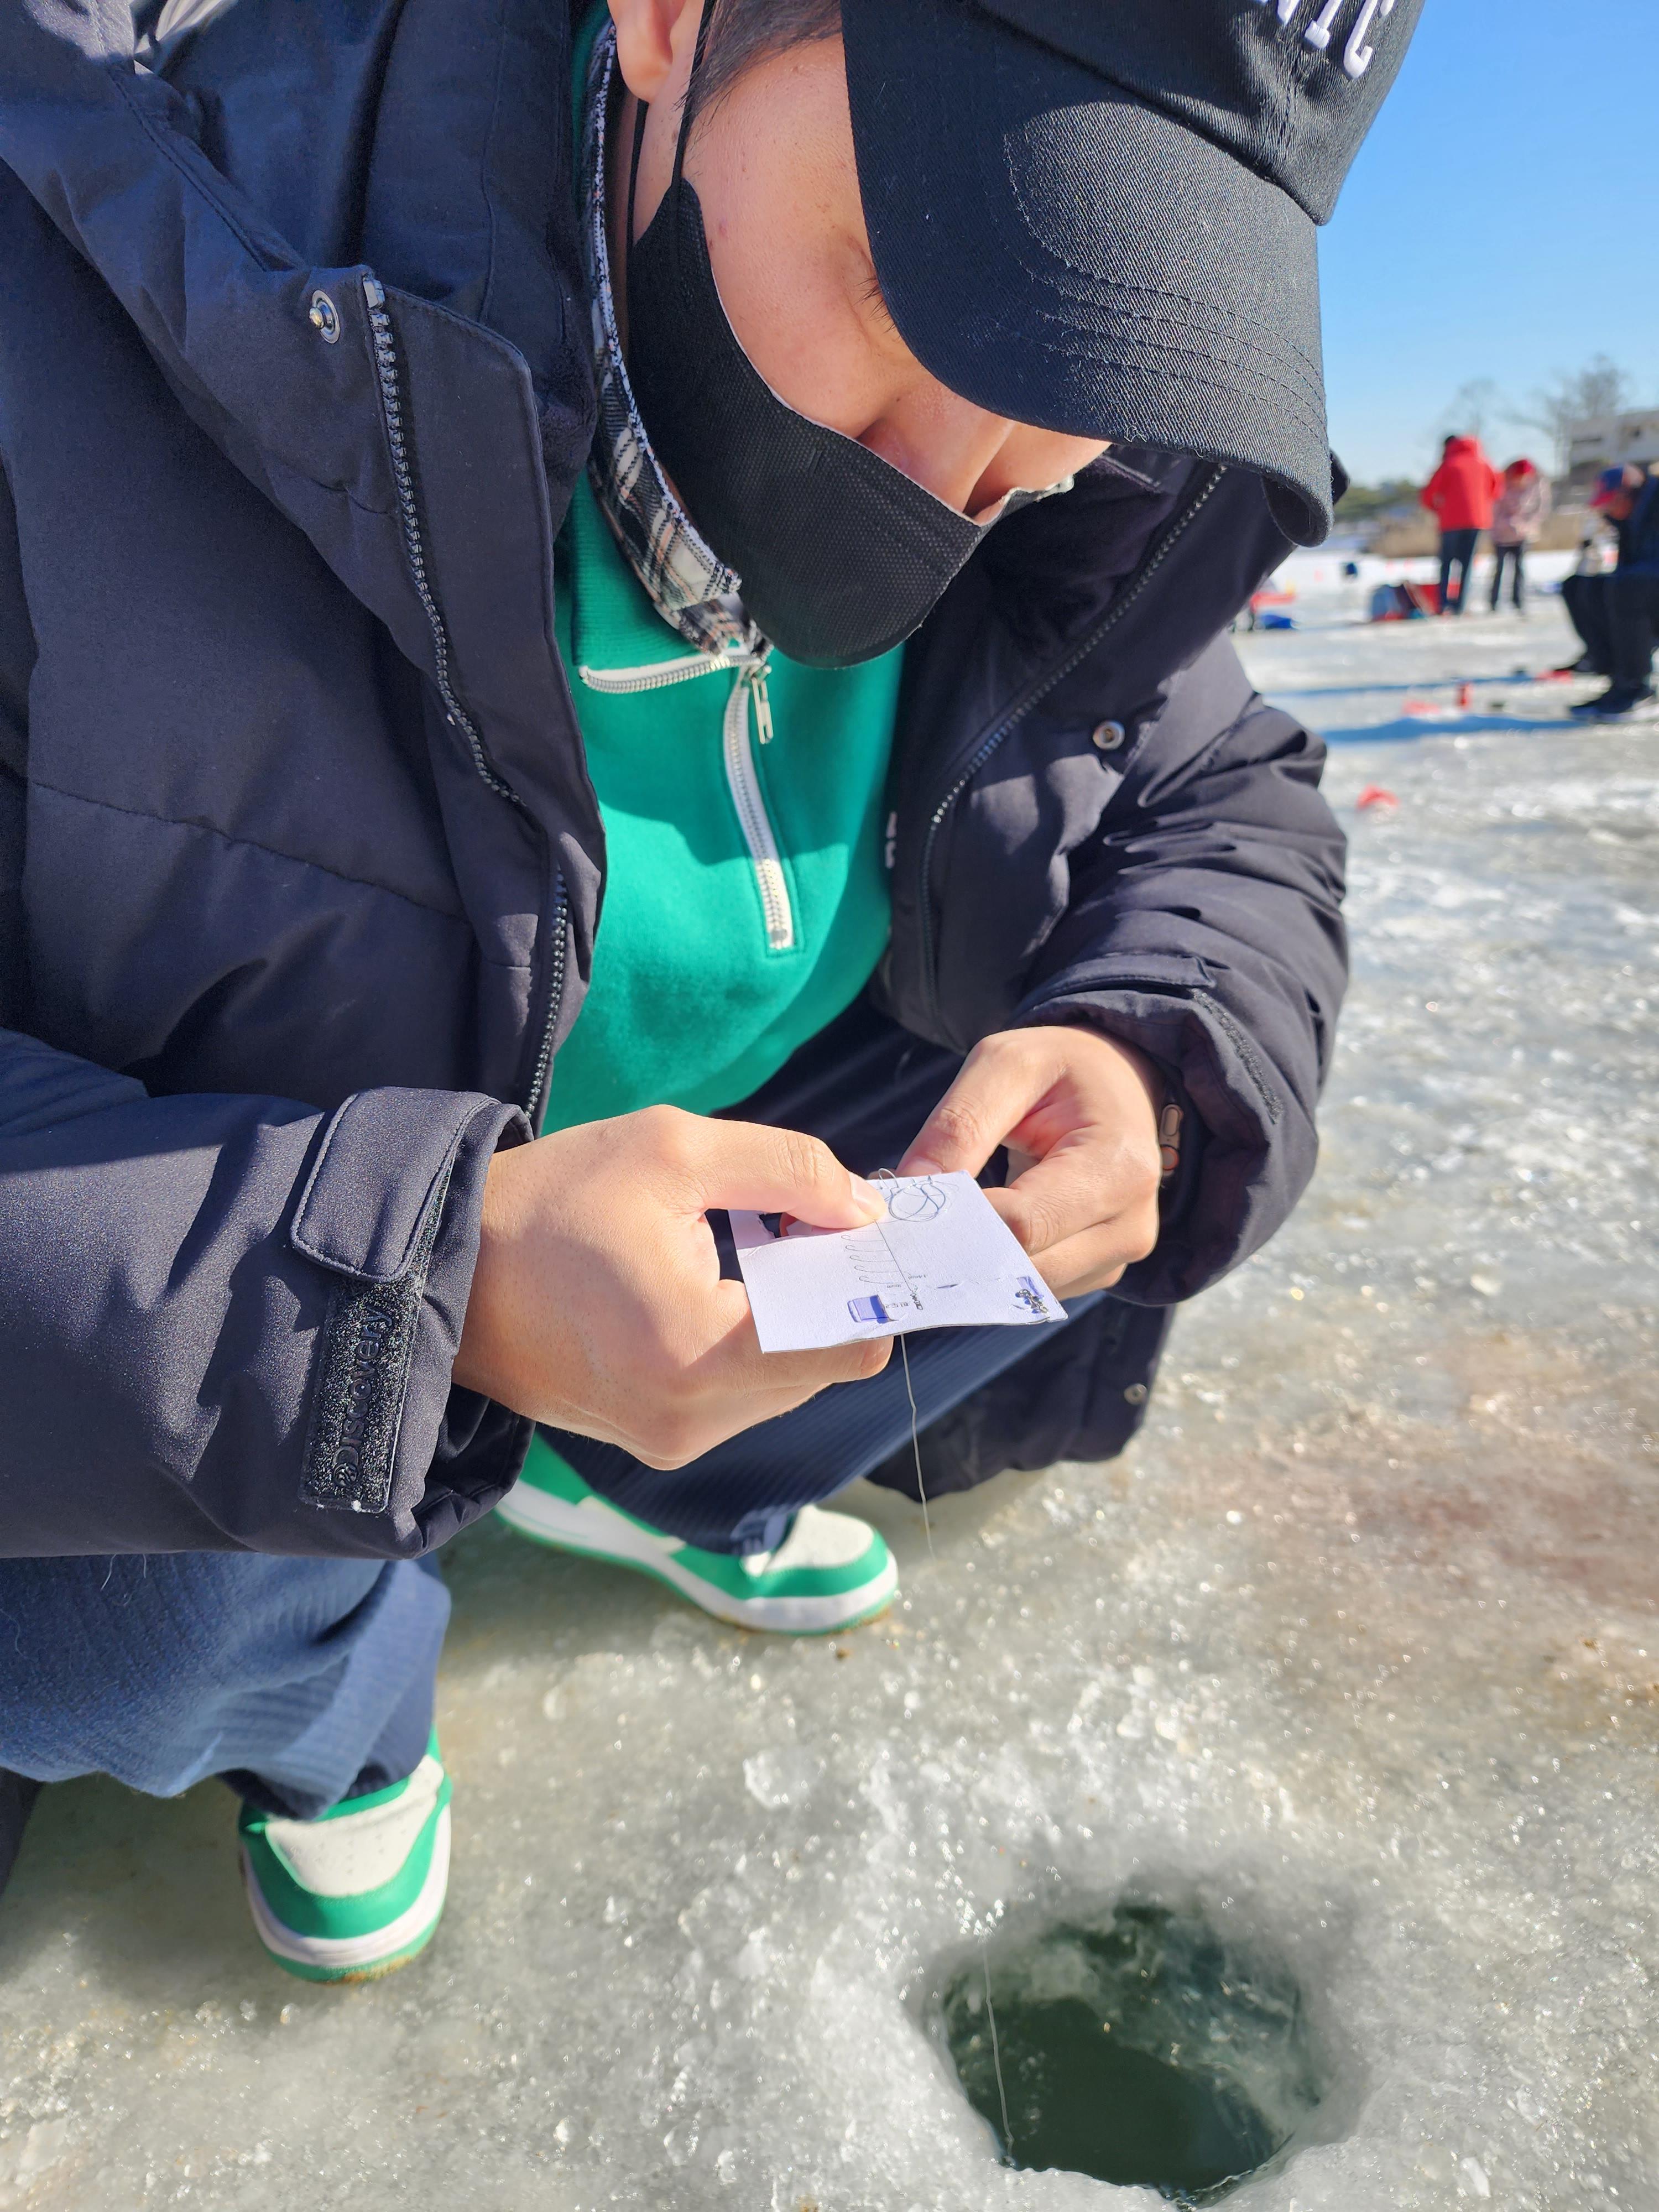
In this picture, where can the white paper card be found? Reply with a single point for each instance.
(943, 1258)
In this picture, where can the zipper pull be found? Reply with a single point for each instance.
(756, 681)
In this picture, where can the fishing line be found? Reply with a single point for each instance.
(886, 1175)
(996, 2048)
(915, 1446)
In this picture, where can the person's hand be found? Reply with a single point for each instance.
(1078, 1114)
(598, 1306)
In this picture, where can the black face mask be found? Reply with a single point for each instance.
(842, 555)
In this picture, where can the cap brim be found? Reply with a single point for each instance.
(1060, 252)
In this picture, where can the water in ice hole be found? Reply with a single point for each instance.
(1137, 2045)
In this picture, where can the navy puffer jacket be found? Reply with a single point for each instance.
(299, 864)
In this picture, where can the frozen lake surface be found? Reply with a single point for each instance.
(1358, 1649)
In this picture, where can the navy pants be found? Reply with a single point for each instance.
(1589, 603)
(1456, 551)
(302, 1681)
(1503, 556)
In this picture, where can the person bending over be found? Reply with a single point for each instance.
(605, 617)
(1618, 614)
(1584, 598)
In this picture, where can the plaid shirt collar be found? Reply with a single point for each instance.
(693, 590)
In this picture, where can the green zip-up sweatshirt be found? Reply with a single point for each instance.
(745, 902)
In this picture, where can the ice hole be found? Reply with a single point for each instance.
(1137, 2045)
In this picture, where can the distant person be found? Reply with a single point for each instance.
(1624, 610)
(1460, 495)
(1523, 505)
(1583, 594)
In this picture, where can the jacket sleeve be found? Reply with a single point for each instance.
(1204, 926)
(226, 1322)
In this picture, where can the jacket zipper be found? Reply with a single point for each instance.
(1034, 693)
(409, 518)
(742, 779)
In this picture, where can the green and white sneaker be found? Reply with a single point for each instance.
(830, 1572)
(360, 1889)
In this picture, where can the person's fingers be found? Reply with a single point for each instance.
(1085, 1182)
(746, 1163)
(704, 1429)
(995, 1089)
(715, 1424)
(665, 1440)
(1092, 1261)
(1057, 1199)
(732, 1384)
(736, 1363)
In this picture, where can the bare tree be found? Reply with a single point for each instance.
(1601, 387)
(1475, 406)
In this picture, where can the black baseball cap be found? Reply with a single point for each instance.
(1099, 216)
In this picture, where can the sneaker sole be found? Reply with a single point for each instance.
(567, 1527)
(356, 1958)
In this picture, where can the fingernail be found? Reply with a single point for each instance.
(920, 1165)
(868, 1193)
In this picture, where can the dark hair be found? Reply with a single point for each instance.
(742, 33)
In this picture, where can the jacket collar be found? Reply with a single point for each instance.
(687, 582)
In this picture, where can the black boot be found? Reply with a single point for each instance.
(1617, 701)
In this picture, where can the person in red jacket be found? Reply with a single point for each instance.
(1460, 495)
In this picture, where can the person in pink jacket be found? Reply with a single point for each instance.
(1460, 495)
(1522, 504)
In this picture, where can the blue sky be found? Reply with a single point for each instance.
(1500, 222)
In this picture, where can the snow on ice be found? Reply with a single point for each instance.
(1358, 1647)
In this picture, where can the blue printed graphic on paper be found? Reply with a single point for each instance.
(867, 1310)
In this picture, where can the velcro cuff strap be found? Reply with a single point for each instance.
(371, 1211)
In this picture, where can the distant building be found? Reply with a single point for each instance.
(1600, 441)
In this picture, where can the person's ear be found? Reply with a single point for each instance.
(648, 35)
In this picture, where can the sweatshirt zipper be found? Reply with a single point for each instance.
(742, 778)
(750, 800)
(409, 518)
(656, 675)
(1034, 694)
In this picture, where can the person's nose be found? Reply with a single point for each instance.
(945, 444)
